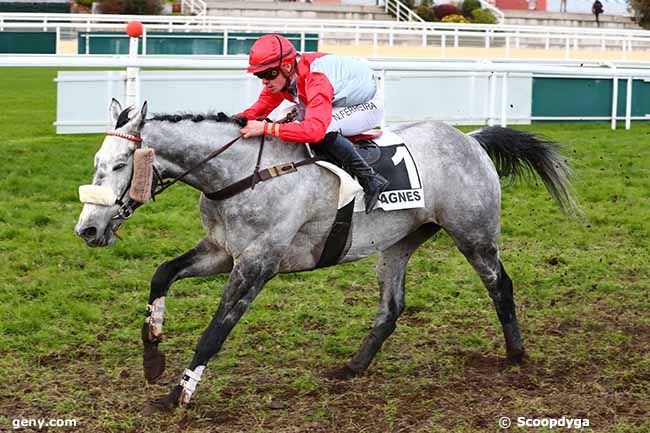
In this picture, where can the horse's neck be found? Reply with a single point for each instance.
(180, 146)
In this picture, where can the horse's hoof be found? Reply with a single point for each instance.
(162, 405)
(153, 407)
(342, 373)
(153, 362)
(518, 358)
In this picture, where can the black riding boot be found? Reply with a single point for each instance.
(343, 152)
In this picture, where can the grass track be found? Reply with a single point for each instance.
(70, 316)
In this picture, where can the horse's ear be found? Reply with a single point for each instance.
(115, 109)
(137, 121)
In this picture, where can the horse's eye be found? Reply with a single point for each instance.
(119, 166)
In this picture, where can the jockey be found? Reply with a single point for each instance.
(336, 97)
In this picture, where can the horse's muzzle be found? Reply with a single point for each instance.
(93, 237)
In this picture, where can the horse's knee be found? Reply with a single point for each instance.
(169, 271)
(162, 279)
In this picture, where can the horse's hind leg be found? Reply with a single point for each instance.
(483, 255)
(391, 274)
(204, 259)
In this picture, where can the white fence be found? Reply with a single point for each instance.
(459, 92)
(350, 32)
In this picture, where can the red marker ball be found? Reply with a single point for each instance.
(134, 29)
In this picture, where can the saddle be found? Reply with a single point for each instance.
(366, 146)
(388, 155)
(368, 135)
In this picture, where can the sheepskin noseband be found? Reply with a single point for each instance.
(95, 194)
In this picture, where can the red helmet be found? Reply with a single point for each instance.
(270, 51)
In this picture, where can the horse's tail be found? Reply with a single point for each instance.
(520, 154)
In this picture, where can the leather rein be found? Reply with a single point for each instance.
(127, 209)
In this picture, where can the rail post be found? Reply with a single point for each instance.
(134, 30)
(628, 104)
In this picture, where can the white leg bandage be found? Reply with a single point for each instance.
(156, 318)
(189, 381)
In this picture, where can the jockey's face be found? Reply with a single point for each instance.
(275, 79)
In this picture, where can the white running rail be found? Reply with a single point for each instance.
(354, 32)
(239, 62)
(496, 73)
(176, 21)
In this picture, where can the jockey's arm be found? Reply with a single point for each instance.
(266, 103)
(318, 115)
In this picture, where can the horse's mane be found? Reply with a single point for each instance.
(198, 117)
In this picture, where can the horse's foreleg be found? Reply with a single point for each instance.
(391, 273)
(247, 279)
(204, 259)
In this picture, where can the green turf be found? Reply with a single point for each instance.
(70, 316)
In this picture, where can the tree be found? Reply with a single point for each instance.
(641, 10)
(130, 7)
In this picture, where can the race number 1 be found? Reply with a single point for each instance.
(402, 154)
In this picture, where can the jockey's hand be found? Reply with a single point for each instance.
(253, 128)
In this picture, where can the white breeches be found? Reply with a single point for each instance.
(357, 119)
(352, 120)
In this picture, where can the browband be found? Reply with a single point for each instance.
(125, 136)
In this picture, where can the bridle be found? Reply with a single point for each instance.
(127, 208)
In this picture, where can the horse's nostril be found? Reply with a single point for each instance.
(89, 233)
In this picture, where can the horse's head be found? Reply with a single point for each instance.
(106, 199)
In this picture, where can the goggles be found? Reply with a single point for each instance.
(268, 74)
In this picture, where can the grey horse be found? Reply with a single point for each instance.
(281, 225)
